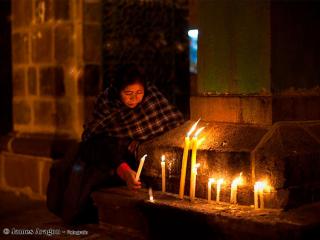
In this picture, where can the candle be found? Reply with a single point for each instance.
(150, 195)
(140, 167)
(195, 171)
(193, 163)
(185, 159)
(163, 170)
(234, 188)
(259, 187)
(219, 182)
(211, 180)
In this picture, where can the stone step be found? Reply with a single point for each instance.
(168, 217)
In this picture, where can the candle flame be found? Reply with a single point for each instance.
(195, 169)
(211, 180)
(262, 186)
(193, 128)
(198, 132)
(237, 181)
(200, 141)
(163, 158)
(144, 157)
(220, 181)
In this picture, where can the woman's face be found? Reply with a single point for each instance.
(132, 94)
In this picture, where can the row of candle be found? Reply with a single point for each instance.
(259, 187)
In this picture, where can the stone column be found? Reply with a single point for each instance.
(56, 64)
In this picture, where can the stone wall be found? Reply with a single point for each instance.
(56, 64)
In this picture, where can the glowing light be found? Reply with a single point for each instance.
(193, 33)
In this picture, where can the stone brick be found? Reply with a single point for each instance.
(62, 9)
(32, 81)
(64, 116)
(44, 10)
(21, 112)
(89, 83)
(21, 171)
(92, 43)
(20, 49)
(44, 113)
(64, 43)
(19, 86)
(45, 174)
(52, 81)
(92, 11)
(42, 45)
(21, 13)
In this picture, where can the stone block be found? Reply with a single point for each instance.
(289, 157)
(224, 153)
(64, 43)
(64, 116)
(21, 13)
(52, 81)
(20, 48)
(19, 79)
(92, 12)
(295, 108)
(232, 109)
(44, 113)
(92, 43)
(32, 81)
(89, 83)
(21, 171)
(21, 112)
(62, 9)
(42, 45)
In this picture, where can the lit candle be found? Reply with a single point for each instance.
(259, 187)
(234, 188)
(163, 170)
(185, 159)
(219, 182)
(193, 163)
(150, 195)
(211, 180)
(140, 167)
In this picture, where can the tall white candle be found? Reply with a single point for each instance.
(258, 194)
(193, 163)
(185, 159)
(234, 188)
(140, 167)
(219, 182)
(211, 180)
(163, 170)
(151, 195)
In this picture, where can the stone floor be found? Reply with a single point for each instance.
(19, 213)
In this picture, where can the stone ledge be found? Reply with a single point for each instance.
(171, 218)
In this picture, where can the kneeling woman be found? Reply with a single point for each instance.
(127, 113)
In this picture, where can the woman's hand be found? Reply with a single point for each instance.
(130, 178)
(133, 146)
(128, 175)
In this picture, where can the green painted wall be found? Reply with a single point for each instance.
(234, 46)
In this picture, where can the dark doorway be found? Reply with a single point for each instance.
(154, 35)
(5, 68)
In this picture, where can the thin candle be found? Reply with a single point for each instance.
(234, 188)
(163, 170)
(185, 159)
(195, 172)
(150, 195)
(259, 187)
(210, 181)
(194, 162)
(219, 182)
(140, 167)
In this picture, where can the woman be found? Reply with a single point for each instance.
(126, 114)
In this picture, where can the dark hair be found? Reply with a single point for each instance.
(125, 75)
